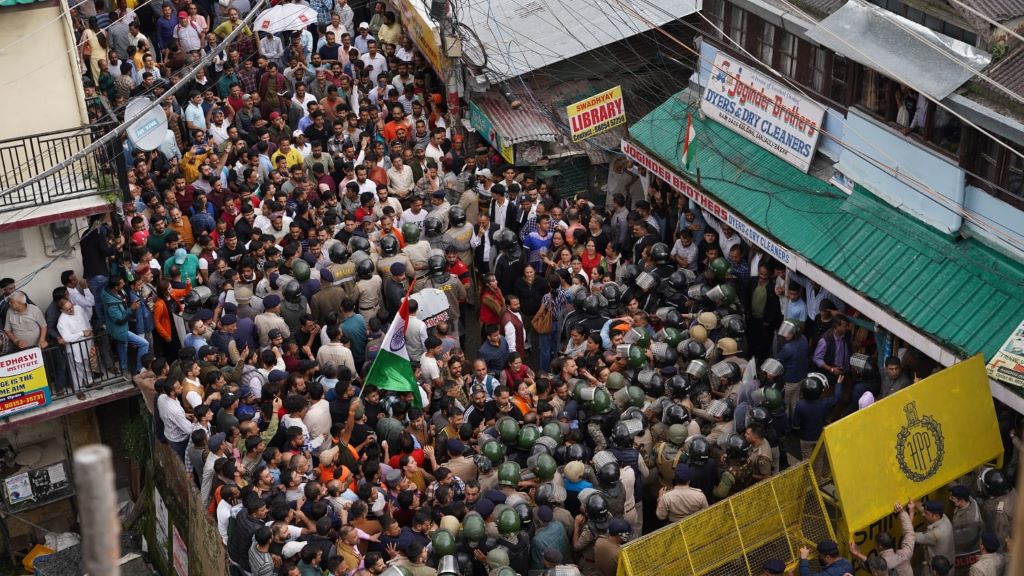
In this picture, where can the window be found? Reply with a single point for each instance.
(986, 161)
(872, 93)
(716, 13)
(994, 168)
(788, 54)
(840, 76)
(738, 26)
(819, 64)
(1015, 175)
(766, 43)
(945, 130)
(927, 20)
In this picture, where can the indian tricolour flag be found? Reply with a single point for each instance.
(391, 369)
(689, 148)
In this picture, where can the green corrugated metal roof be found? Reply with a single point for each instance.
(965, 295)
(5, 3)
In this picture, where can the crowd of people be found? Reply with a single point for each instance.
(604, 366)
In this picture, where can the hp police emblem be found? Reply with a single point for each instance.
(920, 447)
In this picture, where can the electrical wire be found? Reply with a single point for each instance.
(55, 59)
(203, 62)
(540, 106)
(886, 70)
(933, 195)
(61, 15)
(1002, 27)
(50, 152)
(864, 272)
(910, 30)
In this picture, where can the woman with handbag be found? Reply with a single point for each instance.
(94, 48)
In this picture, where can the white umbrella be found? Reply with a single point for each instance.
(285, 17)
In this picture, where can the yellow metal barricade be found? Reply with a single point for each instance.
(771, 519)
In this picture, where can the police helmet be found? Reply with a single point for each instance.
(699, 452)
(736, 447)
(813, 386)
(365, 269)
(436, 264)
(292, 292)
(389, 245)
(660, 253)
(675, 414)
(679, 387)
(456, 216)
(433, 227)
(339, 253)
(358, 244)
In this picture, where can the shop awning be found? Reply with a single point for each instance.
(962, 295)
(522, 36)
(528, 123)
(899, 48)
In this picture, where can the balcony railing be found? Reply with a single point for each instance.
(23, 158)
(77, 367)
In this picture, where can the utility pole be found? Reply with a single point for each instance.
(97, 502)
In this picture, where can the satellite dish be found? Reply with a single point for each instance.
(148, 132)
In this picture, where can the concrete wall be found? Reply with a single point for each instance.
(41, 79)
(1001, 219)
(885, 145)
(40, 286)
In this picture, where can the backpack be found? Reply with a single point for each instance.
(543, 321)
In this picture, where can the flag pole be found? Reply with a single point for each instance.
(405, 328)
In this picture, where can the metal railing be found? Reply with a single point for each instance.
(25, 157)
(88, 364)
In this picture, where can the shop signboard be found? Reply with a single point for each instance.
(23, 384)
(763, 110)
(423, 35)
(706, 203)
(1007, 365)
(597, 114)
(485, 128)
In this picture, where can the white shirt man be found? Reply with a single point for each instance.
(509, 329)
(434, 152)
(375, 59)
(415, 335)
(410, 217)
(500, 210)
(400, 180)
(318, 418)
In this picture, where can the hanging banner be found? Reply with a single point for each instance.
(707, 204)
(23, 384)
(485, 128)
(923, 437)
(599, 113)
(1007, 365)
(765, 111)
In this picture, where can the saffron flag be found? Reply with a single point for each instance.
(688, 145)
(391, 369)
